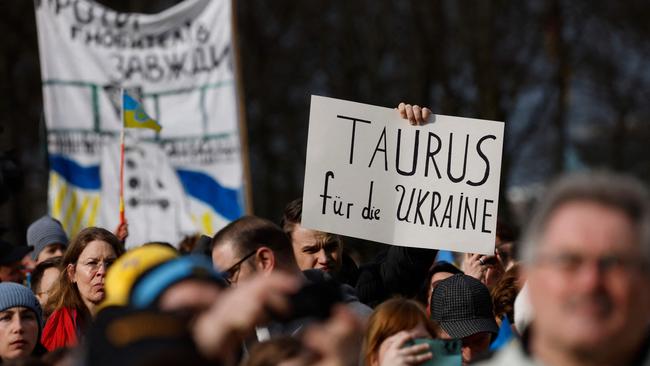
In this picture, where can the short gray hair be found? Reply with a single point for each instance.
(620, 192)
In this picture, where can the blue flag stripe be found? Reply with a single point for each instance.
(203, 187)
(222, 200)
(75, 174)
(129, 103)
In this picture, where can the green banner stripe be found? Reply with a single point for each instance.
(96, 113)
(220, 84)
(117, 133)
(85, 84)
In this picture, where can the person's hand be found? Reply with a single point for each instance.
(474, 265)
(487, 269)
(415, 114)
(495, 270)
(122, 231)
(220, 330)
(28, 263)
(396, 354)
(336, 342)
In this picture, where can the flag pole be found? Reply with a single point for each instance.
(241, 115)
(122, 219)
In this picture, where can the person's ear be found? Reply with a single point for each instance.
(265, 260)
(71, 270)
(374, 359)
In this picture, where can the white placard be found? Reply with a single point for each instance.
(371, 175)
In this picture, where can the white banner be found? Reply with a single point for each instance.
(186, 179)
(371, 175)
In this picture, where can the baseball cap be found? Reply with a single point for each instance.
(462, 306)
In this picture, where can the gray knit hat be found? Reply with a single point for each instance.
(43, 232)
(13, 295)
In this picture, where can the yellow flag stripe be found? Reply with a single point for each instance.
(131, 120)
(72, 207)
(75, 209)
(57, 206)
(93, 212)
(207, 224)
(80, 214)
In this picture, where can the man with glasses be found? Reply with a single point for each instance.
(253, 246)
(587, 252)
(250, 245)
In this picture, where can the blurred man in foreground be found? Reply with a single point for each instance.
(587, 251)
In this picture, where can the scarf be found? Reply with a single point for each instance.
(61, 329)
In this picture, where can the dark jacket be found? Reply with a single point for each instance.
(348, 293)
(395, 271)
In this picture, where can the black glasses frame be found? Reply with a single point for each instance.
(230, 272)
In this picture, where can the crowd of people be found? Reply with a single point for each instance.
(573, 290)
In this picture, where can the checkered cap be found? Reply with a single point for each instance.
(462, 306)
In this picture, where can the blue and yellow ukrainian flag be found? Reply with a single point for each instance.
(135, 116)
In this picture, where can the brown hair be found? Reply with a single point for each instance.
(39, 270)
(65, 293)
(504, 293)
(391, 317)
(272, 352)
(293, 216)
(187, 245)
(249, 233)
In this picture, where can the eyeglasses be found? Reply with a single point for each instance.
(572, 262)
(230, 273)
(93, 264)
